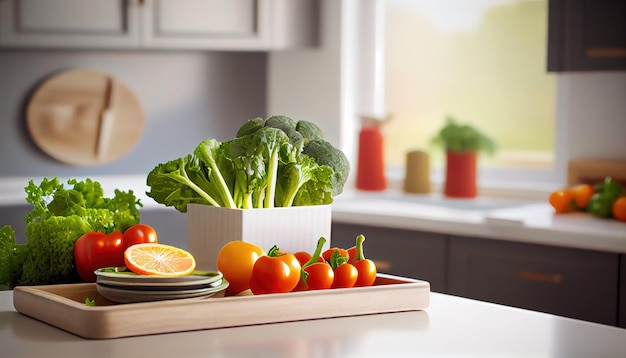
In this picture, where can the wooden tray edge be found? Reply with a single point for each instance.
(391, 294)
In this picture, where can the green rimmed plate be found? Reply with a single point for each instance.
(121, 276)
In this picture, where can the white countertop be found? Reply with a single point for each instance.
(523, 220)
(450, 327)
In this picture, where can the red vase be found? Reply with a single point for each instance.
(461, 171)
(370, 165)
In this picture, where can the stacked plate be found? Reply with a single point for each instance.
(120, 285)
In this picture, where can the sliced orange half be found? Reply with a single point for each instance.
(159, 259)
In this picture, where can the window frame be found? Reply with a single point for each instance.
(369, 94)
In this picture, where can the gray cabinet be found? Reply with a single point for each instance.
(586, 35)
(399, 252)
(622, 292)
(69, 23)
(164, 24)
(564, 281)
(581, 284)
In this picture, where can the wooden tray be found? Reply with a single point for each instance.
(63, 306)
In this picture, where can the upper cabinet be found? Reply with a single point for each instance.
(586, 35)
(168, 24)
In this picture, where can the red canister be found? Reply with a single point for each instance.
(370, 164)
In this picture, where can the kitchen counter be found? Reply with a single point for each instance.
(513, 219)
(450, 327)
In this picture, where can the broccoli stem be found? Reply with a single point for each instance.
(272, 171)
(181, 177)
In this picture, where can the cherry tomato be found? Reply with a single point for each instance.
(365, 267)
(346, 276)
(235, 261)
(582, 194)
(319, 276)
(342, 252)
(562, 200)
(303, 257)
(96, 250)
(316, 273)
(139, 234)
(276, 272)
(618, 208)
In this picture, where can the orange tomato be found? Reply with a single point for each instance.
(562, 200)
(582, 193)
(235, 261)
(618, 209)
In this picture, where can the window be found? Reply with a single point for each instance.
(480, 61)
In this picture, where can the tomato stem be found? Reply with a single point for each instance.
(316, 255)
(275, 252)
(359, 247)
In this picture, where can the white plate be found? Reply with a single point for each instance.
(121, 295)
(124, 277)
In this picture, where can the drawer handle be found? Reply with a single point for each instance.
(382, 266)
(556, 278)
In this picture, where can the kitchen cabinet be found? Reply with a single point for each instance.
(255, 25)
(419, 255)
(586, 35)
(622, 292)
(568, 282)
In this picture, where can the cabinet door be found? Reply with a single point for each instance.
(586, 35)
(404, 253)
(622, 292)
(69, 23)
(228, 25)
(568, 282)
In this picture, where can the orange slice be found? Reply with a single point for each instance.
(159, 259)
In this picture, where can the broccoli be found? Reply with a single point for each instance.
(256, 160)
(325, 154)
(59, 217)
(314, 144)
(266, 165)
(309, 131)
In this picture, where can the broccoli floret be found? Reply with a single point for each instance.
(309, 131)
(251, 126)
(325, 154)
(287, 125)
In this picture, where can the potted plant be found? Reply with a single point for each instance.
(462, 144)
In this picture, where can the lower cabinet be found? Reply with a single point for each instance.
(575, 283)
(413, 254)
(568, 282)
(622, 292)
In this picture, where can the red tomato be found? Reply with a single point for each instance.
(139, 234)
(303, 257)
(367, 272)
(345, 276)
(96, 250)
(365, 267)
(320, 276)
(342, 252)
(277, 272)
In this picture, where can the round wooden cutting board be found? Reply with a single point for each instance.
(84, 118)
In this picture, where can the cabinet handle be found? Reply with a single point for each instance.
(555, 278)
(382, 266)
(609, 52)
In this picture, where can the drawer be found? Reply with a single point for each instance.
(564, 281)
